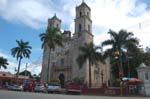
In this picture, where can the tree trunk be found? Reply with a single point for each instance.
(120, 63)
(18, 71)
(90, 80)
(48, 65)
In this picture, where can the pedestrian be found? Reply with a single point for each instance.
(45, 86)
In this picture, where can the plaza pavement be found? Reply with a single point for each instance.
(4, 94)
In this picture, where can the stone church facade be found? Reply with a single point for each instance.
(63, 59)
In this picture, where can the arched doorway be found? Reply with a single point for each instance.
(62, 80)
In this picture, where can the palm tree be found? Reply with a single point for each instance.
(89, 52)
(50, 39)
(120, 42)
(22, 50)
(3, 63)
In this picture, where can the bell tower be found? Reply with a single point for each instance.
(54, 22)
(83, 22)
(83, 34)
(46, 69)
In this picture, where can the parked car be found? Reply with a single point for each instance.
(53, 87)
(40, 88)
(73, 88)
(15, 87)
(28, 87)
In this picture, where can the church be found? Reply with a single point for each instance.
(63, 59)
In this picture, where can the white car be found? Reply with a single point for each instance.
(39, 88)
(53, 87)
(15, 87)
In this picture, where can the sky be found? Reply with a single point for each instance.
(26, 19)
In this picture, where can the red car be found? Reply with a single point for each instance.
(73, 88)
(28, 87)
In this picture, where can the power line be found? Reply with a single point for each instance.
(141, 25)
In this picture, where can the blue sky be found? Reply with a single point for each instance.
(11, 31)
(26, 19)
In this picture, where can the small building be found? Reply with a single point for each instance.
(9, 78)
(144, 75)
(5, 77)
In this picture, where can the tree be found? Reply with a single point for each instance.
(146, 56)
(37, 77)
(79, 80)
(138, 56)
(22, 50)
(51, 38)
(89, 52)
(121, 42)
(3, 63)
(26, 73)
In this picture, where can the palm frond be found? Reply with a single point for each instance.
(23, 49)
(107, 42)
(3, 62)
(89, 52)
(51, 38)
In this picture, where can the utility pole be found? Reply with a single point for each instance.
(26, 69)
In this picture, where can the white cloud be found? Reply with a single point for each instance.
(112, 14)
(33, 13)
(106, 14)
(34, 67)
(142, 31)
(11, 61)
(120, 14)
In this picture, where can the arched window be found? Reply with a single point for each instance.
(57, 25)
(4, 74)
(80, 28)
(89, 28)
(80, 14)
(50, 24)
(88, 14)
(62, 62)
(146, 76)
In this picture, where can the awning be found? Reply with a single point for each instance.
(131, 80)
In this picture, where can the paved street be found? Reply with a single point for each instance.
(27, 95)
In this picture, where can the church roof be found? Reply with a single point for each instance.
(6, 74)
(84, 4)
(142, 65)
(55, 18)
